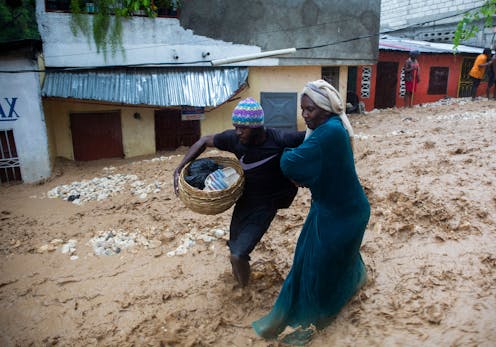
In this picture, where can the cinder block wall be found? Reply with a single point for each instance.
(396, 14)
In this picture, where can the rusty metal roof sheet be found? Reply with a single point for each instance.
(157, 86)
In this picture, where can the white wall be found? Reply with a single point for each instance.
(27, 121)
(145, 41)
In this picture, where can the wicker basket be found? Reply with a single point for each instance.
(211, 202)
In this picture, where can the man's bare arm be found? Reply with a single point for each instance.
(194, 151)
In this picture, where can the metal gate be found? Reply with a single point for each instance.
(9, 162)
(465, 84)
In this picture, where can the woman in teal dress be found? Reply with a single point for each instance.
(327, 267)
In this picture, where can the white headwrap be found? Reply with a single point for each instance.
(328, 98)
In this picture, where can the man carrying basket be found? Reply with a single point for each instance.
(266, 189)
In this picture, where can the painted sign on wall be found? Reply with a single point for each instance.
(192, 113)
(7, 109)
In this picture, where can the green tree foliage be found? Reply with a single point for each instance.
(18, 20)
(107, 16)
(469, 25)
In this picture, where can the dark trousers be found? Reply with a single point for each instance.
(250, 221)
(475, 85)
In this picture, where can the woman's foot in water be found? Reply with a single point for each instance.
(270, 326)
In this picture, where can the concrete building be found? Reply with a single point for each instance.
(165, 92)
(432, 20)
(24, 153)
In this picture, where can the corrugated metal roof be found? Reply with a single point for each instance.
(157, 86)
(392, 43)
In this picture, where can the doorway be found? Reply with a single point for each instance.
(386, 83)
(171, 132)
(96, 135)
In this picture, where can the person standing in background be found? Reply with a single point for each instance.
(412, 78)
(491, 73)
(477, 72)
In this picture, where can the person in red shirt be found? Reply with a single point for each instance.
(412, 78)
(477, 72)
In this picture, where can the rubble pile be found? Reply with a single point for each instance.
(190, 239)
(114, 241)
(101, 188)
(98, 188)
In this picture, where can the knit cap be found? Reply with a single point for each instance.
(248, 113)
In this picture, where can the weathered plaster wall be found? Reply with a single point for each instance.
(138, 135)
(227, 28)
(277, 24)
(22, 112)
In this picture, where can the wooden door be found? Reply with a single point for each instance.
(386, 84)
(96, 135)
(172, 132)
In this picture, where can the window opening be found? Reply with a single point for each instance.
(9, 162)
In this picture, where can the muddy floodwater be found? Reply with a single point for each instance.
(104, 254)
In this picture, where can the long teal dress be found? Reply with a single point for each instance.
(327, 267)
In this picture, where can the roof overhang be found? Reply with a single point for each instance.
(391, 43)
(152, 86)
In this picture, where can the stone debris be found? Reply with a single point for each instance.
(446, 101)
(112, 242)
(69, 247)
(101, 188)
(141, 189)
(472, 115)
(466, 116)
(191, 238)
(50, 247)
(98, 188)
(153, 160)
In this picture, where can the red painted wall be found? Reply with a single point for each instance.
(426, 61)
